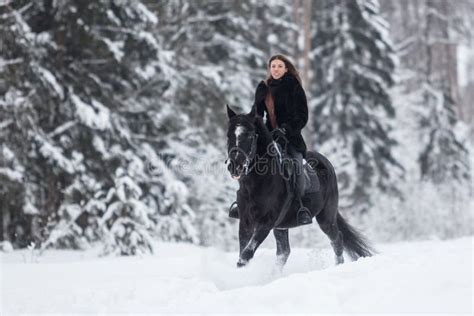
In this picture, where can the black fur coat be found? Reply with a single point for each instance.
(291, 108)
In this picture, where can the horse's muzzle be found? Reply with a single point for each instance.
(236, 170)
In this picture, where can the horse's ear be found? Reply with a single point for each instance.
(230, 112)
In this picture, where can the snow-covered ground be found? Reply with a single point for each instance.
(416, 277)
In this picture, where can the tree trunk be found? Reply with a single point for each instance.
(307, 42)
(296, 18)
(6, 219)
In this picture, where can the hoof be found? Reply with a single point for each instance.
(339, 260)
(242, 263)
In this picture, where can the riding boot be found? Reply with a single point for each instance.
(303, 216)
(234, 210)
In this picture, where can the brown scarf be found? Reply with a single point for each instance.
(270, 105)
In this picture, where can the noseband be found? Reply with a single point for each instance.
(248, 157)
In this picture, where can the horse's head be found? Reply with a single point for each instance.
(241, 142)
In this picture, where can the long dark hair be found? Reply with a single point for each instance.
(289, 65)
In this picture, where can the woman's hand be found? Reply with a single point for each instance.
(278, 133)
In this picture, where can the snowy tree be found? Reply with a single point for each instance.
(444, 156)
(434, 142)
(353, 111)
(445, 153)
(216, 61)
(128, 218)
(112, 113)
(29, 117)
(427, 39)
(278, 29)
(213, 45)
(83, 79)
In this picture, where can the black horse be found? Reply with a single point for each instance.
(255, 160)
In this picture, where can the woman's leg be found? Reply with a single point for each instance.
(297, 170)
(303, 215)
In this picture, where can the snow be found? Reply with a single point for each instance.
(147, 72)
(146, 14)
(54, 154)
(11, 174)
(4, 63)
(95, 116)
(149, 38)
(416, 277)
(113, 18)
(116, 48)
(465, 55)
(51, 79)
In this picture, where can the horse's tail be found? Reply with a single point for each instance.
(355, 243)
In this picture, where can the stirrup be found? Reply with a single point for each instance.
(234, 210)
(303, 216)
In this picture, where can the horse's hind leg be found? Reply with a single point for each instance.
(283, 246)
(329, 227)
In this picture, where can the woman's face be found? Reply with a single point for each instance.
(277, 68)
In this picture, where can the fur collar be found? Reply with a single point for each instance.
(287, 82)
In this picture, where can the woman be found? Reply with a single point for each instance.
(282, 98)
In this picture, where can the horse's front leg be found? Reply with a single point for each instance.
(260, 232)
(245, 232)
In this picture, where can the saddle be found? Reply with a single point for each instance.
(311, 180)
(310, 176)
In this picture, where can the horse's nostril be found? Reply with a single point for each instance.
(233, 167)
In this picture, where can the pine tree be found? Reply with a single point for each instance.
(433, 141)
(352, 108)
(216, 61)
(444, 156)
(84, 78)
(430, 84)
(128, 218)
(278, 31)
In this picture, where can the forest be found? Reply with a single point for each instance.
(113, 115)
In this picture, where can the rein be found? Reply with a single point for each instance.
(253, 151)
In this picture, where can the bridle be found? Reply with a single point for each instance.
(250, 161)
(249, 157)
